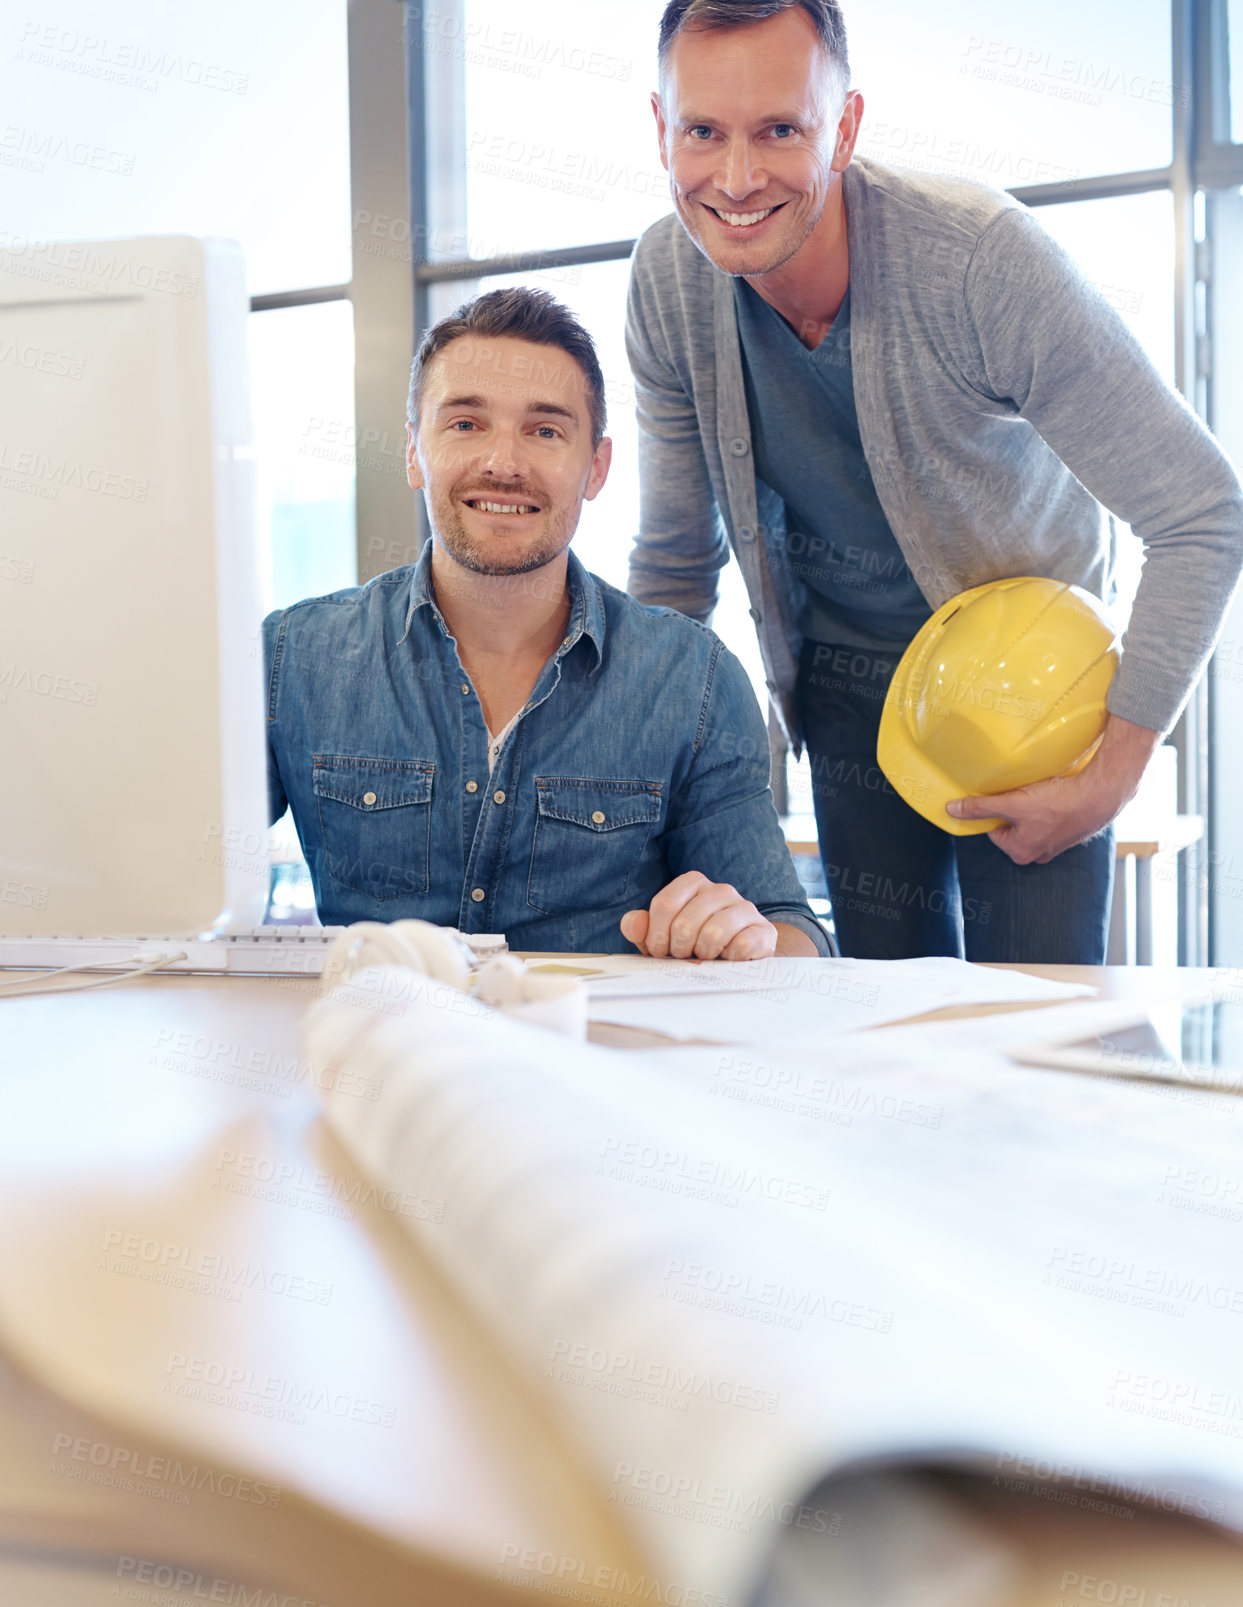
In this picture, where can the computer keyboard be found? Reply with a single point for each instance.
(265, 951)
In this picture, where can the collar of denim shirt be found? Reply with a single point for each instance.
(586, 605)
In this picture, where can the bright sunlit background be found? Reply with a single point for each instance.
(234, 120)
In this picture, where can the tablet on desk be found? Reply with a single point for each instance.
(1195, 1043)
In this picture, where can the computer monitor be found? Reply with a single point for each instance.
(133, 793)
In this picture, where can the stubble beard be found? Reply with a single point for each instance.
(783, 251)
(464, 549)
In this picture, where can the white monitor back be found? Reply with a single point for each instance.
(132, 777)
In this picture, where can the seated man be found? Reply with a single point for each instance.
(496, 740)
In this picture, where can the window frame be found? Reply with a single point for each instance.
(382, 120)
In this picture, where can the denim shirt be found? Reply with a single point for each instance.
(640, 754)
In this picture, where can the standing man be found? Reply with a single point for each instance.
(882, 388)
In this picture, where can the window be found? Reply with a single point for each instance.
(1014, 96)
(301, 383)
(558, 149)
(1224, 875)
(231, 121)
(560, 143)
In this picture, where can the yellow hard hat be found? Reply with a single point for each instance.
(1005, 685)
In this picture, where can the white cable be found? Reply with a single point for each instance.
(45, 976)
(33, 989)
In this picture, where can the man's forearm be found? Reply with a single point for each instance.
(1119, 763)
(792, 940)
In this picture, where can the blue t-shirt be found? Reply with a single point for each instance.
(805, 435)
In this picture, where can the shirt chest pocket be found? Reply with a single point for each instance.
(376, 818)
(589, 839)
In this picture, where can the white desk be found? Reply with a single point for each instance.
(148, 1116)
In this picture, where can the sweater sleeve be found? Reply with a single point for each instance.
(681, 545)
(1046, 342)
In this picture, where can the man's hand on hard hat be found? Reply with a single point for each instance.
(695, 918)
(1050, 816)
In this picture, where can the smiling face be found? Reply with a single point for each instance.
(754, 138)
(503, 451)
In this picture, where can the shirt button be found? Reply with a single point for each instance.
(746, 533)
(465, 689)
(498, 797)
(739, 447)
(755, 615)
(478, 895)
(368, 797)
(567, 641)
(598, 817)
(472, 786)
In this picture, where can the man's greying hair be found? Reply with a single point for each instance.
(826, 14)
(525, 314)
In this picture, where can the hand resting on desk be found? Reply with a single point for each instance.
(710, 921)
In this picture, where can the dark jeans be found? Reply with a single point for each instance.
(902, 887)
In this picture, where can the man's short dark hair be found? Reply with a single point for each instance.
(526, 314)
(826, 14)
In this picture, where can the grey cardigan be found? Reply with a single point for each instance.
(1003, 407)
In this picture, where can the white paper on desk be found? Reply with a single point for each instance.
(735, 1273)
(517, 1135)
(789, 1002)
